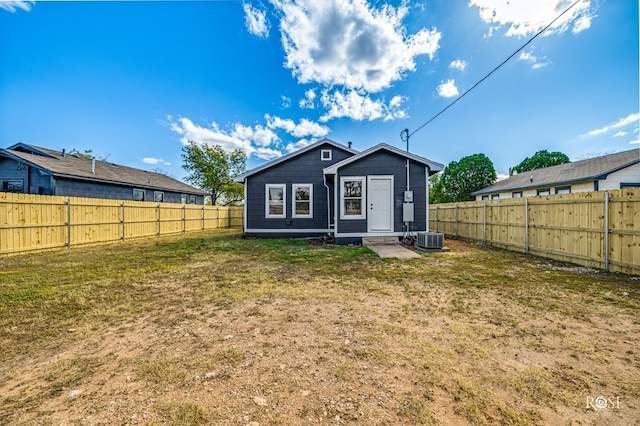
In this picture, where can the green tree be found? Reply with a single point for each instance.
(540, 160)
(471, 173)
(436, 191)
(212, 169)
(88, 153)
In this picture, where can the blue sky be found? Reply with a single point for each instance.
(136, 80)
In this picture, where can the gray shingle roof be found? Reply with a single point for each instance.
(79, 168)
(578, 171)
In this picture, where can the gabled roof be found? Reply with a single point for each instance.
(79, 168)
(579, 171)
(433, 166)
(293, 154)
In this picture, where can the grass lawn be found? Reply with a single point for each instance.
(209, 328)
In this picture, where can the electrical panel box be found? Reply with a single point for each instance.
(408, 196)
(407, 212)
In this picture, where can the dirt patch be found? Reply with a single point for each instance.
(431, 341)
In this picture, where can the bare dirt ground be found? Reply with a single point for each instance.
(446, 339)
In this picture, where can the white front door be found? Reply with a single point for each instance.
(380, 200)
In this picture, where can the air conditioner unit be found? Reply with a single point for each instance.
(430, 240)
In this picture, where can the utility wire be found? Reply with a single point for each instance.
(494, 70)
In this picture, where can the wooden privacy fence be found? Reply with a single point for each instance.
(596, 229)
(39, 222)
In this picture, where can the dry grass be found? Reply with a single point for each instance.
(214, 329)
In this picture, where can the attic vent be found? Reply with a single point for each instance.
(430, 240)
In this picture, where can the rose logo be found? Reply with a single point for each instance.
(601, 402)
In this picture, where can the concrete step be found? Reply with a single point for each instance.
(369, 241)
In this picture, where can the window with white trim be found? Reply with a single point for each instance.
(325, 155)
(495, 196)
(352, 196)
(517, 194)
(276, 197)
(302, 200)
(563, 190)
(545, 191)
(158, 196)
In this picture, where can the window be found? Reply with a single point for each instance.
(192, 199)
(158, 196)
(495, 196)
(629, 185)
(325, 155)
(302, 200)
(563, 190)
(183, 198)
(275, 202)
(545, 191)
(353, 198)
(138, 195)
(13, 185)
(485, 197)
(516, 194)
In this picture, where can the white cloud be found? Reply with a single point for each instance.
(635, 142)
(12, 5)
(535, 61)
(458, 64)
(524, 17)
(350, 44)
(448, 89)
(151, 160)
(297, 145)
(304, 128)
(286, 102)
(359, 107)
(308, 102)
(620, 134)
(623, 122)
(258, 140)
(256, 21)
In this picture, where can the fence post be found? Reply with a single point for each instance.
(456, 220)
(203, 217)
(526, 225)
(229, 217)
(124, 233)
(484, 229)
(606, 231)
(159, 223)
(184, 218)
(437, 228)
(68, 223)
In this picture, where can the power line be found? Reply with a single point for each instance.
(494, 70)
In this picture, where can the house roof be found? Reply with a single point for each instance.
(579, 171)
(284, 158)
(79, 168)
(433, 166)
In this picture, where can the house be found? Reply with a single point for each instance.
(327, 188)
(34, 170)
(614, 171)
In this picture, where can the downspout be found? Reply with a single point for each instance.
(324, 178)
(244, 231)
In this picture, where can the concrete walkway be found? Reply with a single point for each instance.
(389, 249)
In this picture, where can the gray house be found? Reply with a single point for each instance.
(328, 188)
(34, 170)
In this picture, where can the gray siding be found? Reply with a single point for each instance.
(73, 188)
(386, 163)
(305, 168)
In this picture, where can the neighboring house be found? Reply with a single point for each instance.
(33, 170)
(327, 188)
(614, 171)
